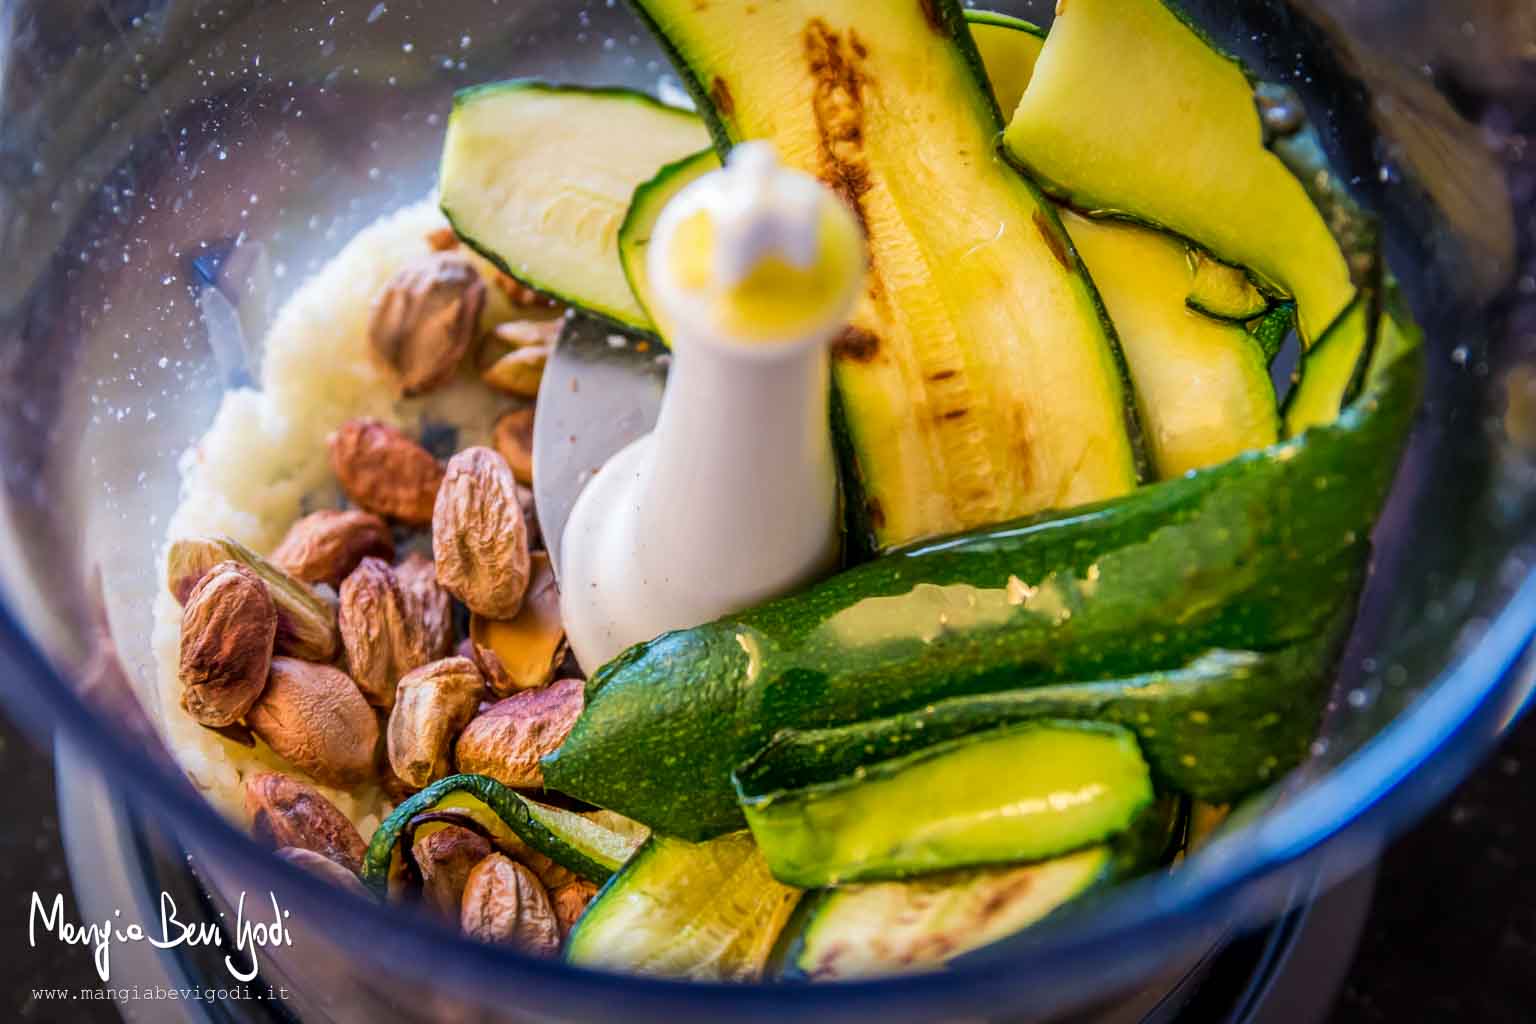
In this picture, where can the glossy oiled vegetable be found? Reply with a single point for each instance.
(538, 178)
(1224, 725)
(508, 819)
(978, 381)
(1131, 113)
(1022, 793)
(707, 911)
(1259, 552)
(1202, 385)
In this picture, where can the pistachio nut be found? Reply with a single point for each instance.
(325, 546)
(315, 718)
(530, 645)
(287, 813)
(426, 318)
(432, 705)
(445, 856)
(508, 741)
(479, 538)
(227, 632)
(306, 624)
(385, 472)
(504, 903)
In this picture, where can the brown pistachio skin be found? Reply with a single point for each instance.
(570, 902)
(445, 858)
(428, 608)
(508, 741)
(375, 631)
(513, 437)
(426, 318)
(385, 472)
(323, 868)
(315, 717)
(325, 546)
(505, 904)
(496, 676)
(432, 706)
(287, 813)
(228, 630)
(550, 875)
(306, 624)
(479, 538)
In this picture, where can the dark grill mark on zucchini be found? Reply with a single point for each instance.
(837, 103)
(942, 375)
(955, 414)
(1000, 899)
(876, 513)
(1052, 240)
(932, 16)
(720, 96)
(856, 345)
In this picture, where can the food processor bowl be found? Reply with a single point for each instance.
(171, 170)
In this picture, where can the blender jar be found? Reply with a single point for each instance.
(170, 170)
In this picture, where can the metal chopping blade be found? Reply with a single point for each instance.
(601, 393)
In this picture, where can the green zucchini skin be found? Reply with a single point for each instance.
(1271, 329)
(1217, 728)
(1254, 554)
(937, 807)
(645, 210)
(515, 811)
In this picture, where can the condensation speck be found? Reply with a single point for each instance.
(464, 42)
(1460, 355)
(373, 174)
(1358, 699)
(379, 10)
(407, 47)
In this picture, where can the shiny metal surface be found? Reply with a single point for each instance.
(601, 392)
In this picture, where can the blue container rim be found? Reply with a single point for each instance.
(1437, 731)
